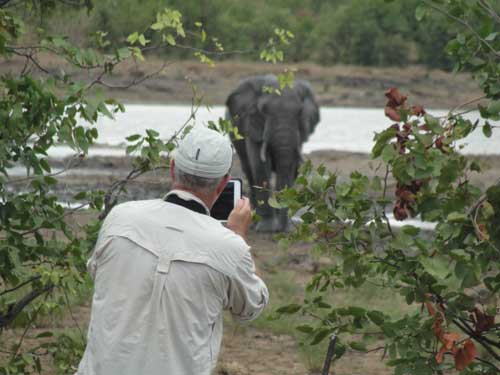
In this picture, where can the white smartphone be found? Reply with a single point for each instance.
(227, 200)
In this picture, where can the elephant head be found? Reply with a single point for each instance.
(274, 126)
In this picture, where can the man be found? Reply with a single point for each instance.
(164, 271)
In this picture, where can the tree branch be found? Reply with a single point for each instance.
(14, 310)
(481, 340)
(488, 363)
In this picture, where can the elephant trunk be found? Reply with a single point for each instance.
(285, 148)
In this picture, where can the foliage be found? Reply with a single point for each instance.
(450, 276)
(42, 254)
(329, 32)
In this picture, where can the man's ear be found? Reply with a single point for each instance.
(172, 166)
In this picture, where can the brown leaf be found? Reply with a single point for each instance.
(395, 97)
(392, 113)
(407, 196)
(483, 321)
(417, 110)
(437, 328)
(400, 212)
(465, 355)
(430, 308)
(449, 339)
(483, 232)
(440, 354)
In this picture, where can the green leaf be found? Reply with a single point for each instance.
(273, 202)
(381, 140)
(420, 12)
(389, 153)
(436, 266)
(487, 129)
(320, 336)
(494, 108)
(433, 124)
(289, 309)
(169, 38)
(132, 38)
(134, 137)
(45, 334)
(45, 165)
(376, 317)
(457, 217)
(304, 328)
(359, 346)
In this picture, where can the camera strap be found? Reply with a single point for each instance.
(189, 204)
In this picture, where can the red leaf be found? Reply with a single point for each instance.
(392, 113)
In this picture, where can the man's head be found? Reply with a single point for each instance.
(201, 163)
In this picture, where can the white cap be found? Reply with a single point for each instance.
(205, 153)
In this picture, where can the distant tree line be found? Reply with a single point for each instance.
(328, 32)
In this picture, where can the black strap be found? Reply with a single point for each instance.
(189, 204)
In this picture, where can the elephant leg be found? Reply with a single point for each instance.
(261, 172)
(286, 172)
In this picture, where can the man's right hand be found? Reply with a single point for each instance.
(240, 218)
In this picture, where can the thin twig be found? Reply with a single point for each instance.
(28, 326)
(66, 213)
(134, 82)
(465, 24)
(68, 305)
(471, 101)
(64, 170)
(384, 193)
(490, 10)
(488, 363)
(20, 285)
(468, 330)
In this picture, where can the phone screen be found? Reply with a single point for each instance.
(226, 201)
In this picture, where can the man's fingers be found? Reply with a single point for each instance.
(242, 202)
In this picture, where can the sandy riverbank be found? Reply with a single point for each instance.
(338, 85)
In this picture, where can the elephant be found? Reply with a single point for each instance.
(274, 125)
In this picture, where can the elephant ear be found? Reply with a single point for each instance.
(309, 116)
(242, 107)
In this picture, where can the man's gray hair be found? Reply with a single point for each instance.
(196, 183)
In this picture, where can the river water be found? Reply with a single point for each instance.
(343, 129)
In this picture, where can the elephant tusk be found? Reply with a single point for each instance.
(263, 151)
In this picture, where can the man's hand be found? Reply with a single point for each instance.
(240, 218)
